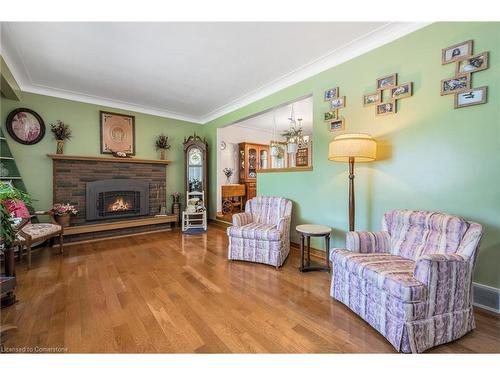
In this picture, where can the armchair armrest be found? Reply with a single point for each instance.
(448, 278)
(284, 224)
(242, 218)
(368, 242)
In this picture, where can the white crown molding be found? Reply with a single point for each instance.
(383, 35)
(377, 38)
(69, 95)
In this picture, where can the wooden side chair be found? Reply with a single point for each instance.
(40, 232)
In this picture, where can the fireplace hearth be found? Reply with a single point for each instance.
(116, 198)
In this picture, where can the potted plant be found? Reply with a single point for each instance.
(61, 132)
(162, 145)
(63, 212)
(9, 193)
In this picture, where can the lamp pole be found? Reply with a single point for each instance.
(351, 194)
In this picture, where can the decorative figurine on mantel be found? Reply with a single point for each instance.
(61, 133)
(162, 145)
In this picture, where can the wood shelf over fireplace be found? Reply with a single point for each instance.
(131, 223)
(107, 159)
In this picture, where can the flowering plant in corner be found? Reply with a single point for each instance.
(63, 209)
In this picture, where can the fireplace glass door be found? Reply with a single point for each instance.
(113, 203)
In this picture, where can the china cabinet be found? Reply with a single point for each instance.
(252, 157)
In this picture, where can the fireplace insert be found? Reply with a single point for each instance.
(117, 198)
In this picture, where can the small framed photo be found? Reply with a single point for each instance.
(473, 64)
(473, 97)
(336, 125)
(456, 84)
(402, 91)
(456, 52)
(331, 115)
(117, 133)
(387, 82)
(370, 99)
(338, 103)
(331, 94)
(386, 108)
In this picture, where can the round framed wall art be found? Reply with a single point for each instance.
(25, 126)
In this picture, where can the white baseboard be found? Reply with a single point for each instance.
(486, 297)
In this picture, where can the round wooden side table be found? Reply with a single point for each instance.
(307, 231)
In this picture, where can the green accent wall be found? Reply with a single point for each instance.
(430, 155)
(36, 168)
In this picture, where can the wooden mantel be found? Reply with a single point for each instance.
(107, 159)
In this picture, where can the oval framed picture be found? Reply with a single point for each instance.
(25, 126)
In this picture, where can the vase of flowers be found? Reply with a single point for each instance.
(228, 172)
(63, 212)
(162, 145)
(61, 132)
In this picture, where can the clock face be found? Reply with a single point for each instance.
(195, 156)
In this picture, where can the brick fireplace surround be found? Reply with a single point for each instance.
(71, 174)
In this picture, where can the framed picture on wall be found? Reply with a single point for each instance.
(370, 99)
(117, 133)
(473, 64)
(456, 84)
(331, 94)
(456, 52)
(402, 91)
(388, 108)
(387, 81)
(25, 126)
(336, 125)
(473, 97)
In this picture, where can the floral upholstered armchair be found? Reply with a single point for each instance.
(412, 280)
(261, 234)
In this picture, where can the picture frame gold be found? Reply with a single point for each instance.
(117, 133)
(337, 125)
(467, 87)
(467, 46)
(331, 115)
(385, 112)
(378, 94)
(387, 81)
(338, 99)
(484, 97)
(466, 60)
(331, 94)
(406, 94)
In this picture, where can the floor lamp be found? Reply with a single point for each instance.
(351, 148)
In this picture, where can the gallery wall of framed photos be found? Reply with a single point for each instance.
(336, 102)
(466, 64)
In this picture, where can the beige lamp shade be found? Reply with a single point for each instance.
(361, 147)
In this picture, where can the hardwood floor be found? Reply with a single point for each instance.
(170, 293)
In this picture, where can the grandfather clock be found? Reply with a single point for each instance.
(196, 165)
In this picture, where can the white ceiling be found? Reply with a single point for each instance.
(192, 71)
(265, 121)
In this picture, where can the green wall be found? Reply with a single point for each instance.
(36, 167)
(431, 156)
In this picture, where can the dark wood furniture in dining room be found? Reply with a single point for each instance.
(252, 157)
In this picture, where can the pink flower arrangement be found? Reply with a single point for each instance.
(64, 209)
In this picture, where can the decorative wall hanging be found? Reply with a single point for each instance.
(117, 133)
(465, 64)
(25, 126)
(389, 82)
(335, 122)
(474, 97)
(456, 52)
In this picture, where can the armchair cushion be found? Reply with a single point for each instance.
(391, 273)
(368, 242)
(255, 231)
